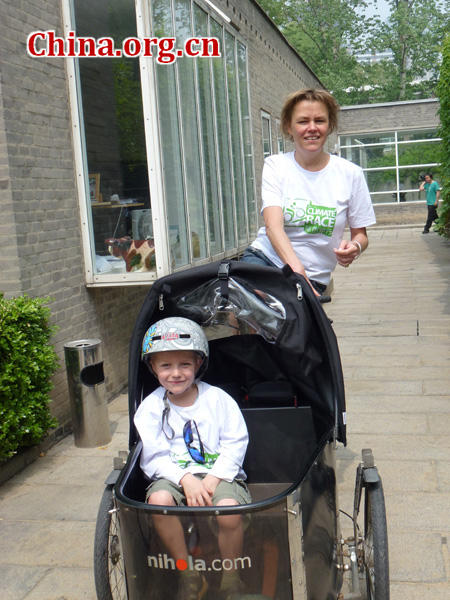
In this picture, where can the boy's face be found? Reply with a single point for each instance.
(176, 369)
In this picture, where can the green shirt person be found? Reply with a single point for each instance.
(432, 191)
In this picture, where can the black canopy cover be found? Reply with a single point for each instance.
(263, 324)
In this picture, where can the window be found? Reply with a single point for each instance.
(212, 211)
(266, 134)
(394, 161)
(166, 182)
(118, 230)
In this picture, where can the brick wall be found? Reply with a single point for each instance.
(9, 257)
(402, 213)
(388, 117)
(40, 226)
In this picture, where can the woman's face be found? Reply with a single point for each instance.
(309, 126)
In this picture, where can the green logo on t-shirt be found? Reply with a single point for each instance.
(313, 218)
(185, 460)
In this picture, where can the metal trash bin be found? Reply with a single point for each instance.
(87, 392)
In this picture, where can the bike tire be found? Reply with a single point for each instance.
(376, 555)
(109, 572)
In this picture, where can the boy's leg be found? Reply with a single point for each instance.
(230, 540)
(168, 528)
(170, 531)
(231, 535)
(231, 531)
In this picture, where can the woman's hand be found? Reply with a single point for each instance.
(195, 491)
(349, 251)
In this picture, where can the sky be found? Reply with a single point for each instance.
(378, 7)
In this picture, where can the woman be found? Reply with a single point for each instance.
(308, 196)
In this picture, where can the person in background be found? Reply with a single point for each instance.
(432, 191)
(308, 197)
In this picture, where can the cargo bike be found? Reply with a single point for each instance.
(273, 349)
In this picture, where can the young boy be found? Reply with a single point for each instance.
(194, 442)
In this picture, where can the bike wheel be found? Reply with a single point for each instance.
(376, 557)
(108, 565)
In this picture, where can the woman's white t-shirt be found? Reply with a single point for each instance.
(316, 207)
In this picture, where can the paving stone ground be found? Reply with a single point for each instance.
(391, 313)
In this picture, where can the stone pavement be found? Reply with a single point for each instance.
(391, 313)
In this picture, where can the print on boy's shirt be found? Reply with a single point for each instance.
(185, 460)
(313, 218)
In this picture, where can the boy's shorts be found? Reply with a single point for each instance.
(236, 490)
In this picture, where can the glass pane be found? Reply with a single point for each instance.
(380, 181)
(362, 139)
(417, 134)
(236, 148)
(223, 141)
(410, 179)
(119, 198)
(354, 155)
(419, 153)
(371, 157)
(190, 130)
(247, 139)
(208, 137)
(171, 144)
(401, 195)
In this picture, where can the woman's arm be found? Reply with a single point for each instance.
(274, 223)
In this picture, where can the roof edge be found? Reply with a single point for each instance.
(380, 104)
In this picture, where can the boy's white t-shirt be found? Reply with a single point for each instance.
(221, 427)
(316, 207)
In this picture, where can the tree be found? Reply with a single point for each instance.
(413, 33)
(327, 34)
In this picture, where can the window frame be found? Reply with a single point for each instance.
(281, 140)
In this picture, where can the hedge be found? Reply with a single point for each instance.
(443, 93)
(27, 363)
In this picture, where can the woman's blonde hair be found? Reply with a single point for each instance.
(310, 95)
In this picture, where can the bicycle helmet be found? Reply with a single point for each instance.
(175, 333)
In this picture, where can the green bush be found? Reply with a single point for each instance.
(443, 93)
(27, 362)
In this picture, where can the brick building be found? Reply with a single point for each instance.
(71, 175)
